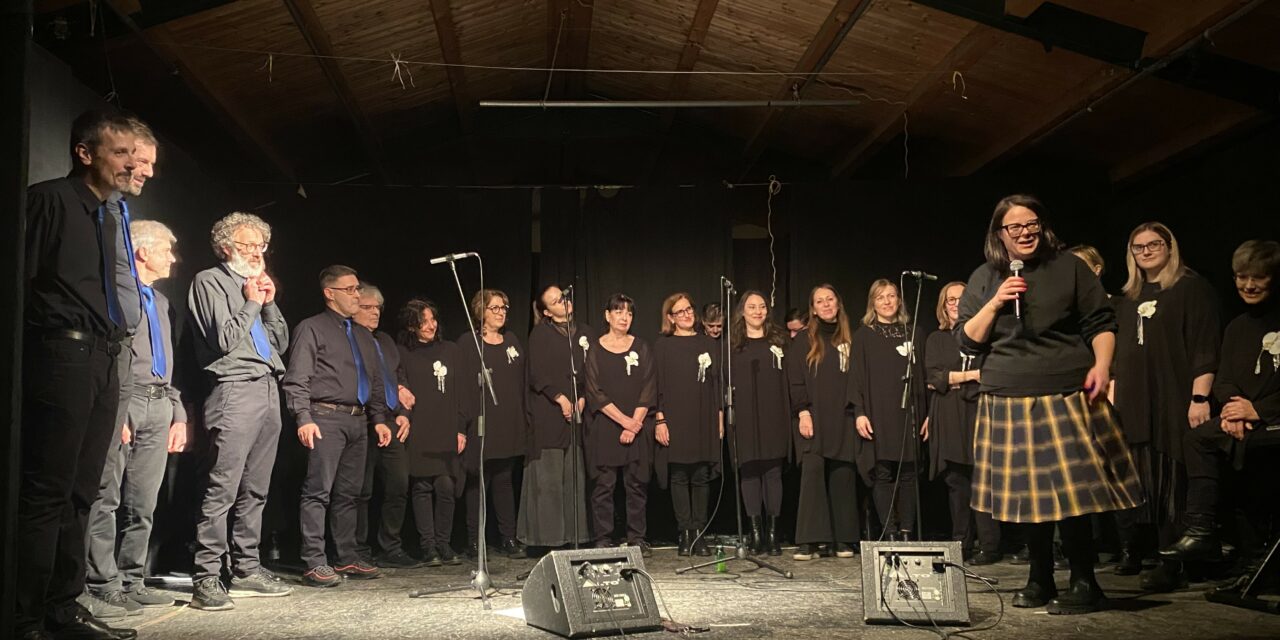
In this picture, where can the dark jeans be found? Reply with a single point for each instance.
(690, 493)
(903, 517)
(1206, 450)
(762, 486)
(69, 397)
(959, 481)
(335, 473)
(433, 504)
(499, 475)
(828, 510)
(243, 421)
(635, 481)
(132, 478)
(391, 464)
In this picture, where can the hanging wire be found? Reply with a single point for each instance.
(774, 188)
(546, 93)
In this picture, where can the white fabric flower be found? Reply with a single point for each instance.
(633, 360)
(844, 356)
(585, 344)
(704, 362)
(904, 349)
(1145, 310)
(512, 354)
(777, 356)
(1270, 345)
(441, 372)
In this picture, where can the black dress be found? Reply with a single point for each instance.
(952, 411)
(760, 438)
(433, 374)
(689, 400)
(548, 498)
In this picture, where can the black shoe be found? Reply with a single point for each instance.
(645, 550)
(1022, 556)
(116, 598)
(148, 597)
(322, 577)
(1195, 544)
(805, 552)
(773, 544)
(1168, 576)
(359, 570)
(36, 634)
(430, 558)
(700, 545)
(259, 584)
(985, 557)
(399, 560)
(448, 555)
(1034, 595)
(756, 541)
(1084, 596)
(473, 551)
(844, 550)
(1129, 562)
(82, 626)
(684, 545)
(208, 594)
(512, 548)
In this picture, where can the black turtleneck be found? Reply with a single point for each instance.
(1248, 370)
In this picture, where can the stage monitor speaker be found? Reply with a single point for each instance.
(915, 582)
(590, 592)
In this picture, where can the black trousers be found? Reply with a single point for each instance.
(959, 481)
(635, 481)
(392, 465)
(70, 394)
(433, 504)
(1206, 450)
(903, 517)
(762, 486)
(335, 473)
(690, 493)
(828, 510)
(499, 479)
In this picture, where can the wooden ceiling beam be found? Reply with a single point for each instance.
(309, 25)
(568, 47)
(237, 122)
(679, 85)
(965, 54)
(451, 54)
(1186, 142)
(831, 34)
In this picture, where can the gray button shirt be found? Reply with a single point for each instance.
(141, 368)
(222, 318)
(126, 282)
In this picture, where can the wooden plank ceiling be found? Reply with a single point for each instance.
(313, 86)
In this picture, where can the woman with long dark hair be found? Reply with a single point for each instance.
(819, 377)
(687, 419)
(1047, 446)
(761, 439)
(505, 431)
(1166, 356)
(621, 390)
(953, 378)
(558, 348)
(886, 453)
(430, 368)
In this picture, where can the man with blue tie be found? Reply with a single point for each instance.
(239, 336)
(334, 389)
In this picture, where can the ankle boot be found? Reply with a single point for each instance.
(756, 541)
(1040, 587)
(1168, 576)
(1198, 542)
(700, 547)
(1084, 596)
(682, 547)
(774, 545)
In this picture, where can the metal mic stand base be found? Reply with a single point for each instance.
(740, 553)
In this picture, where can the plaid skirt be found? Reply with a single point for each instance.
(1047, 458)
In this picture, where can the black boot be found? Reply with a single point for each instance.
(1198, 542)
(1084, 595)
(756, 541)
(1129, 563)
(1168, 576)
(774, 545)
(1040, 587)
(700, 544)
(682, 547)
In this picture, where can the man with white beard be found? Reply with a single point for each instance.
(240, 334)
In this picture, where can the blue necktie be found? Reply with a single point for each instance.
(109, 272)
(159, 361)
(260, 342)
(387, 386)
(362, 378)
(128, 239)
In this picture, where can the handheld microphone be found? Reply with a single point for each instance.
(920, 275)
(453, 257)
(1015, 267)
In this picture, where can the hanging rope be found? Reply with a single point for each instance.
(774, 188)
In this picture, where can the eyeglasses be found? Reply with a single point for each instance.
(952, 300)
(251, 247)
(1016, 229)
(353, 290)
(1257, 281)
(1154, 247)
(687, 311)
(370, 307)
(499, 308)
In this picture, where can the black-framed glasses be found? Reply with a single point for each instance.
(251, 247)
(687, 311)
(499, 308)
(353, 290)
(1154, 247)
(1255, 280)
(1016, 229)
(952, 300)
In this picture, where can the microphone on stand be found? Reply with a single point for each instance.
(728, 284)
(564, 293)
(454, 257)
(1015, 267)
(920, 275)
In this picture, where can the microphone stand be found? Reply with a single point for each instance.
(740, 548)
(575, 416)
(908, 404)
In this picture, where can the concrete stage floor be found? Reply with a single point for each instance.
(823, 601)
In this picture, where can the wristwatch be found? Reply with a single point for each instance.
(1199, 399)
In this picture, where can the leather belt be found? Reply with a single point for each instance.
(151, 391)
(92, 340)
(349, 409)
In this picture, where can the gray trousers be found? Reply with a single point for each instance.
(127, 499)
(243, 421)
(335, 476)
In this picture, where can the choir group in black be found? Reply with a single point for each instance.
(1010, 401)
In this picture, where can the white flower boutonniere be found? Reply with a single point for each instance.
(633, 360)
(585, 344)
(966, 361)
(512, 354)
(777, 356)
(1270, 345)
(1145, 310)
(704, 362)
(441, 371)
(844, 356)
(905, 349)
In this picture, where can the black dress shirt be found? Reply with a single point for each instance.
(322, 367)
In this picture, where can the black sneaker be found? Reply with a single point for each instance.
(805, 552)
(431, 557)
(259, 584)
(984, 558)
(116, 598)
(208, 594)
(448, 555)
(149, 597)
(513, 549)
(359, 570)
(400, 560)
(844, 550)
(322, 577)
(99, 608)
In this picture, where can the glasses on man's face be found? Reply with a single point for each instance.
(1154, 247)
(370, 307)
(251, 247)
(687, 311)
(499, 308)
(1016, 229)
(353, 290)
